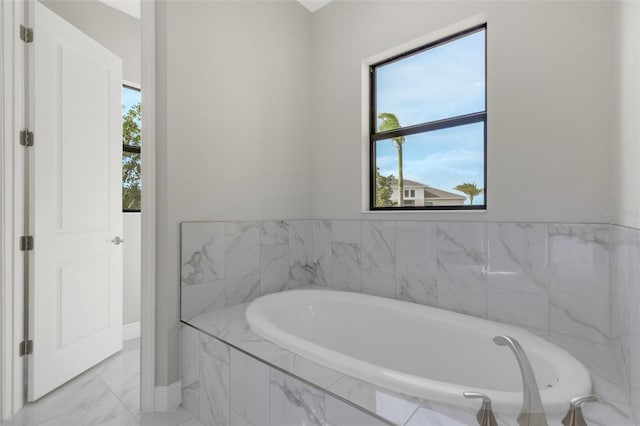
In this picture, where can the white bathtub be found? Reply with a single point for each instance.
(414, 349)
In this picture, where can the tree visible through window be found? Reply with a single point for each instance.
(428, 126)
(131, 161)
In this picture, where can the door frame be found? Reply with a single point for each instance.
(14, 117)
(12, 211)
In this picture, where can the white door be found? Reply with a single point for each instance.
(76, 285)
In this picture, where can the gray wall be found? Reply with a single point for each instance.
(234, 120)
(626, 173)
(261, 116)
(551, 91)
(115, 30)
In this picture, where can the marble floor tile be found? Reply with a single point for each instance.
(122, 376)
(105, 395)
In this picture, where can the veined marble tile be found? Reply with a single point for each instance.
(309, 370)
(620, 242)
(122, 376)
(194, 422)
(321, 252)
(345, 231)
(462, 278)
(635, 403)
(300, 253)
(625, 281)
(230, 324)
(522, 308)
(214, 382)
(179, 417)
(631, 346)
(203, 252)
(274, 233)
(213, 348)
(602, 361)
(385, 403)
(436, 414)
(469, 238)
(238, 420)
(339, 413)
(579, 282)
(416, 262)
(346, 267)
(634, 283)
(202, 267)
(249, 388)
(294, 403)
(198, 298)
(106, 411)
(379, 283)
(378, 246)
(274, 268)
(518, 256)
(190, 362)
(78, 396)
(243, 262)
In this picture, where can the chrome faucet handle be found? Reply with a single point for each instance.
(574, 416)
(485, 415)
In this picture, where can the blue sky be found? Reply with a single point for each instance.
(443, 82)
(130, 97)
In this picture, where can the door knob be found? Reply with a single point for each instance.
(117, 241)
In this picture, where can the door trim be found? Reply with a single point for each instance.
(12, 214)
(148, 207)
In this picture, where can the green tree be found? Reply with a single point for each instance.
(383, 189)
(131, 169)
(391, 122)
(471, 189)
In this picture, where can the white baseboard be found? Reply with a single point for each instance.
(131, 331)
(168, 398)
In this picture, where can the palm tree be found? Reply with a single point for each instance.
(471, 189)
(390, 122)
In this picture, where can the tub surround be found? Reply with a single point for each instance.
(226, 263)
(576, 284)
(550, 277)
(258, 359)
(625, 303)
(443, 354)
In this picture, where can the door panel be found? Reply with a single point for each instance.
(76, 277)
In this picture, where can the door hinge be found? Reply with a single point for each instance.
(26, 34)
(25, 348)
(26, 243)
(26, 138)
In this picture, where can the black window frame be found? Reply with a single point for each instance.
(131, 149)
(446, 123)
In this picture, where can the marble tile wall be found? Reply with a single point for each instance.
(227, 263)
(625, 306)
(578, 280)
(548, 277)
(223, 386)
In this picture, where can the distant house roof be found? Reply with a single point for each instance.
(429, 192)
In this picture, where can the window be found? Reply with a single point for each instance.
(131, 161)
(428, 120)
